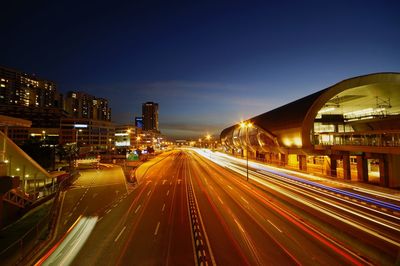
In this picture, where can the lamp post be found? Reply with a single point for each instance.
(247, 125)
(77, 136)
(208, 138)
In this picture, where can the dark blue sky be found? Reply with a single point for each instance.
(209, 64)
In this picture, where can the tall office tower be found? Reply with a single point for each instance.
(150, 116)
(83, 105)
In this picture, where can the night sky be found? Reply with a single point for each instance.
(208, 64)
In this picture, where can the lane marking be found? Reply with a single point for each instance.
(163, 207)
(280, 231)
(164, 181)
(167, 192)
(148, 194)
(156, 231)
(108, 211)
(120, 233)
(239, 225)
(244, 200)
(220, 200)
(137, 209)
(230, 187)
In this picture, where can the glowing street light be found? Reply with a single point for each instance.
(247, 125)
(137, 140)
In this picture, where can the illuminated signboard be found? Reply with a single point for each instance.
(139, 122)
(80, 126)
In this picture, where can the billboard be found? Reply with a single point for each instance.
(139, 122)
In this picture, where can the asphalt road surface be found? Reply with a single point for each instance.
(187, 210)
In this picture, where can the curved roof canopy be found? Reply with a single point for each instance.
(362, 98)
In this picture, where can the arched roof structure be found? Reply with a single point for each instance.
(369, 102)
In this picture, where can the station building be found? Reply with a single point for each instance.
(350, 131)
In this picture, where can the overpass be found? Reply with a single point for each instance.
(350, 130)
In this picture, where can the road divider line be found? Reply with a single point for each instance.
(157, 227)
(120, 233)
(167, 192)
(276, 227)
(220, 200)
(244, 200)
(137, 209)
(239, 225)
(163, 207)
(231, 188)
(148, 193)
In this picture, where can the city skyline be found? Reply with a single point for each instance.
(207, 65)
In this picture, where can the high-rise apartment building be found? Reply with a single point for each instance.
(19, 88)
(29, 97)
(83, 105)
(150, 116)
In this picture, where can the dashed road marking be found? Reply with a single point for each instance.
(120, 233)
(280, 231)
(137, 209)
(167, 192)
(157, 227)
(148, 193)
(239, 225)
(163, 207)
(220, 200)
(244, 200)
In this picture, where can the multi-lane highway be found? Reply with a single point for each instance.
(189, 210)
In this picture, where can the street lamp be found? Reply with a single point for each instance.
(44, 137)
(247, 125)
(77, 136)
(137, 140)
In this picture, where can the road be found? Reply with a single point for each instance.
(188, 210)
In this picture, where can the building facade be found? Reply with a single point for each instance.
(29, 97)
(350, 130)
(150, 116)
(86, 106)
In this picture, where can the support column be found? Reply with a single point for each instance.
(303, 162)
(283, 159)
(383, 172)
(393, 166)
(362, 169)
(333, 166)
(346, 167)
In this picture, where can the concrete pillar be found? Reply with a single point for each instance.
(383, 172)
(362, 169)
(283, 159)
(393, 162)
(333, 166)
(303, 162)
(346, 167)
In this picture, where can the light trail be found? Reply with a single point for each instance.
(380, 203)
(64, 252)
